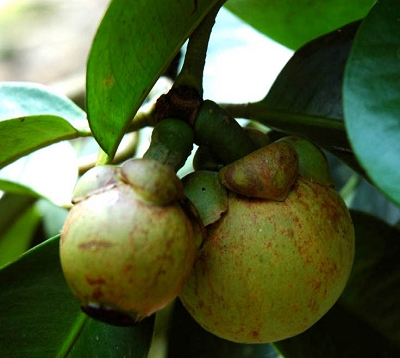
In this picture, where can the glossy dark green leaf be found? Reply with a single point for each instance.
(41, 318)
(373, 290)
(132, 48)
(20, 99)
(306, 98)
(311, 81)
(98, 340)
(23, 135)
(371, 97)
(295, 22)
(37, 307)
(187, 339)
(338, 334)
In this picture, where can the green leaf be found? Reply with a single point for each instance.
(306, 97)
(38, 309)
(50, 172)
(373, 290)
(21, 99)
(16, 188)
(18, 223)
(371, 97)
(99, 340)
(11, 206)
(337, 334)
(41, 318)
(186, 338)
(132, 48)
(23, 135)
(295, 22)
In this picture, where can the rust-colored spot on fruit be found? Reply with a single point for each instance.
(128, 268)
(97, 294)
(95, 281)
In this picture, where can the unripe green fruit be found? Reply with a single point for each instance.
(125, 257)
(312, 160)
(269, 270)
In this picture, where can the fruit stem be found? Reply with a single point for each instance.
(191, 74)
(103, 158)
(215, 128)
(171, 143)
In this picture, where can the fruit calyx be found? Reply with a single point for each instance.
(267, 173)
(152, 181)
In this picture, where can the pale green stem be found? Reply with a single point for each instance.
(103, 158)
(191, 74)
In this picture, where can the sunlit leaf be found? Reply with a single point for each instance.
(15, 188)
(371, 97)
(21, 99)
(23, 135)
(295, 22)
(41, 318)
(50, 172)
(132, 48)
(32, 117)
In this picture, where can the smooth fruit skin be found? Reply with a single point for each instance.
(269, 270)
(125, 257)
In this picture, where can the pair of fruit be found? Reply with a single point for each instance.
(277, 252)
